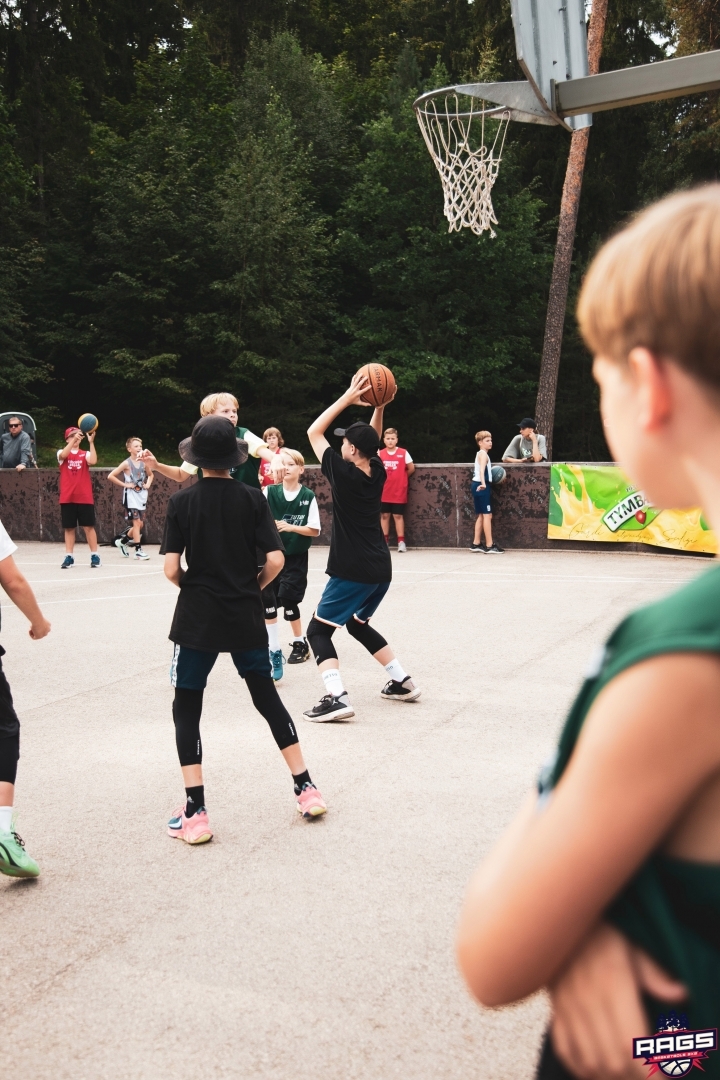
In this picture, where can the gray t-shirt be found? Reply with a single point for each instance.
(16, 450)
(521, 447)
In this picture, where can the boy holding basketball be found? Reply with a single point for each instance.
(606, 889)
(359, 566)
(399, 468)
(77, 505)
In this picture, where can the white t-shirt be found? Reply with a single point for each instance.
(7, 547)
(255, 445)
(314, 511)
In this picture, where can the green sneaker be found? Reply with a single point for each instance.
(14, 859)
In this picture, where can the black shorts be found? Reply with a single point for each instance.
(288, 588)
(74, 514)
(393, 508)
(9, 723)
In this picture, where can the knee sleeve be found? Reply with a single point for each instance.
(319, 635)
(267, 701)
(187, 710)
(269, 602)
(364, 633)
(9, 755)
(292, 612)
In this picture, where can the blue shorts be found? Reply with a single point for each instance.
(341, 599)
(190, 668)
(482, 498)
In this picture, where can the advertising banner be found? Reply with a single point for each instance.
(599, 504)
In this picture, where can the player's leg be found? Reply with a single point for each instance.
(68, 515)
(399, 520)
(269, 597)
(252, 665)
(401, 686)
(334, 705)
(480, 508)
(490, 547)
(385, 523)
(188, 674)
(86, 520)
(291, 592)
(14, 859)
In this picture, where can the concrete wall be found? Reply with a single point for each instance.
(440, 511)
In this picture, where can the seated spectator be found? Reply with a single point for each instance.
(16, 446)
(528, 445)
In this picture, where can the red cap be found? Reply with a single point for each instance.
(70, 431)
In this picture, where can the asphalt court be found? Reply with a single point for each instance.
(283, 946)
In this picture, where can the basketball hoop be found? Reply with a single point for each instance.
(467, 172)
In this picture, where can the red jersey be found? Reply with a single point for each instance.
(266, 477)
(75, 482)
(396, 478)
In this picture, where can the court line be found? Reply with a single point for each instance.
(86, 599)
(503, 576)
(99, 578)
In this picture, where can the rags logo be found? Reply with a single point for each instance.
(675, 1049)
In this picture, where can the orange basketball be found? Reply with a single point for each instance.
(382, 384)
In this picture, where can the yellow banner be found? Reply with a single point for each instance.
(598, 503)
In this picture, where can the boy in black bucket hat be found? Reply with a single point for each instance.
(218, 525)
(359, 567)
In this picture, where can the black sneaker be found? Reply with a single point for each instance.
(478, 547)
(330, 708)
(494, 550)
(400, 691)
(300, 652)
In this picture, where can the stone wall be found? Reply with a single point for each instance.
(439, 514)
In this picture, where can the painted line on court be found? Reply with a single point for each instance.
(447, 577)
(87, 599)
(99, 579)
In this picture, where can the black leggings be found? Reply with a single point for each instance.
(9, 755)
(187, 710)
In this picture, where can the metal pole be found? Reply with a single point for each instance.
(560, 280)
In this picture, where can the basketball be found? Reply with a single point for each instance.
(88, 422)
(382, 384)
(676, 1068)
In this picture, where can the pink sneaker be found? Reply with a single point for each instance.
(193, 830)
(310, 802)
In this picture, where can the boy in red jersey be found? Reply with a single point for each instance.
(77, 506)
(399, 468)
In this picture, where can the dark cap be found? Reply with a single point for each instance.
(361, 435)
(213, 445)
(527, 422)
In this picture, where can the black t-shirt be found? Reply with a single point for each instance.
(358, 550)
(219, 524)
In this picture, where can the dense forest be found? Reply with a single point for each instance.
(234, 194)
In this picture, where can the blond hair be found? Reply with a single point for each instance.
(390, 431)
(274, 431)
(209, 404)
(133, 438)
(480, 435)
(657, 284)
(295, 455)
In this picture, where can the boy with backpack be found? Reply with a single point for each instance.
(219, 526)
(606, 888)
(295, 510)
(135, 482)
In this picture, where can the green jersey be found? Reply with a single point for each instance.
(295, 512)
(671, 907)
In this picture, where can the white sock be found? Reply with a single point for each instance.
(333, 682)
(6, 818)
(298, 637)
(396, 671)
(273, 636)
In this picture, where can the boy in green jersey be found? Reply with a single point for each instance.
(606, 889)
(295, 510)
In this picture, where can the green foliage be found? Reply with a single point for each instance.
(237, 196)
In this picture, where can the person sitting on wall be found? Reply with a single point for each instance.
(15, 446)
(528, 445)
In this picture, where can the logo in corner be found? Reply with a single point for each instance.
(675, 1049)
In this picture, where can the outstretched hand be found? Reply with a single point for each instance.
(149, 458)
(360, 385)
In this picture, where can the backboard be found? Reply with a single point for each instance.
(551, 44)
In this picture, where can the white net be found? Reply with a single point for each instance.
(467, 172)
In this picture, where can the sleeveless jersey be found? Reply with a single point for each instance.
(295, 512)
(396, 482)
(75, 480)
(488, 471)
(671, 907)
(135, 474)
